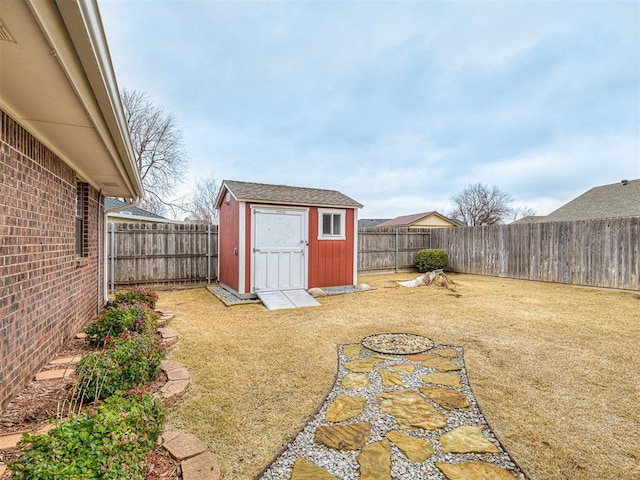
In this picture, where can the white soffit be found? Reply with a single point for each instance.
(46, 87)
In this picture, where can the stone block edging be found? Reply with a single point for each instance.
(192, 455)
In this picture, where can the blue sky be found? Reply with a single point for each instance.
(399, 105)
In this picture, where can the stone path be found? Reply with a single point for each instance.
(397, 416)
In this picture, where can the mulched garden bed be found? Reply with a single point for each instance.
(38, 402)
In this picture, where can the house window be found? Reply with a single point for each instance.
(82, 207)
(331, 224)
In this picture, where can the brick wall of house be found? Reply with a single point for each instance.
(47, 293)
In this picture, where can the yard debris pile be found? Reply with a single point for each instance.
(436, 277)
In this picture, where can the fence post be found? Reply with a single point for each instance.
(208, 254)
(396, 259)
(112, 267)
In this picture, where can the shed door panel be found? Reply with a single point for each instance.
(279, 242)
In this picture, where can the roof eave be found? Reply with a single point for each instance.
(74, 30)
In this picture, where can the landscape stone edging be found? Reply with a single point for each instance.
(191, 454)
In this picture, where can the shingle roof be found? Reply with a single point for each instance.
(111, 202)
(406, 220)
(262, 192)
(530, 219)
(606, 201)
(371, 222)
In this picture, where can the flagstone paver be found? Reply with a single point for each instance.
(415, 425)
(403, 368)
(345, 407)
(3, 468)
(441, 364)
(352, 351)
(66, 360)
(344, 437)
(375, 462)
(421, 357)
(305, 470)
(446, 352)
(474, 471)
(389, 378)
(447, 398)
(54, 374)
(10, 440)
(363, 365)
(352, 381)
(450, 379)
(410, 410)
(466, 439)
(416, 449)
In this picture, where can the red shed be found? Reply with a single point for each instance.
(276, 237)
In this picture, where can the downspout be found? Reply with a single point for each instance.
(100, 200)
(133, 203)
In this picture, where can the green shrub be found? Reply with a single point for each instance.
(109, 441)
(136, 296)
(129, 361)
(115, 321)
(431, 259)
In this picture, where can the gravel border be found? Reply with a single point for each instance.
(343, 464)
(228, 298)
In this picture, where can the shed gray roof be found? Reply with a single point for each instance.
(266, 193)
(607, 201)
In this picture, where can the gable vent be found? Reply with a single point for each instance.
(5, 34)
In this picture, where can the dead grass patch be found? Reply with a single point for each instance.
(553, 367)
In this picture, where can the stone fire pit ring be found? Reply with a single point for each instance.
(397, 343)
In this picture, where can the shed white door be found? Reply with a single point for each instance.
(279, 243)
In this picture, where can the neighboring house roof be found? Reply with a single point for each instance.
(408, 220)
(266, 193)
(371, 222)
(134, 213)
(57, 82)
(530, 219)
(620, 199)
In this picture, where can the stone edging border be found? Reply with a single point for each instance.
(191, 454)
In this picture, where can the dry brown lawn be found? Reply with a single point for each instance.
(555, 368)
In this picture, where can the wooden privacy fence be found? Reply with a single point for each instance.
(597, 253)
(381, 249)
(161, 253)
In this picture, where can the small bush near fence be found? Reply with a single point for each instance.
(107, 441)
(430, 259)
(136, 296)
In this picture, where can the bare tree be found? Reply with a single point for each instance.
(480, 205)
(202, 206)
(158, 148)
(521, 212)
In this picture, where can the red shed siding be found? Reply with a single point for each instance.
(330, 261)
(46, 296)
(229, 235)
